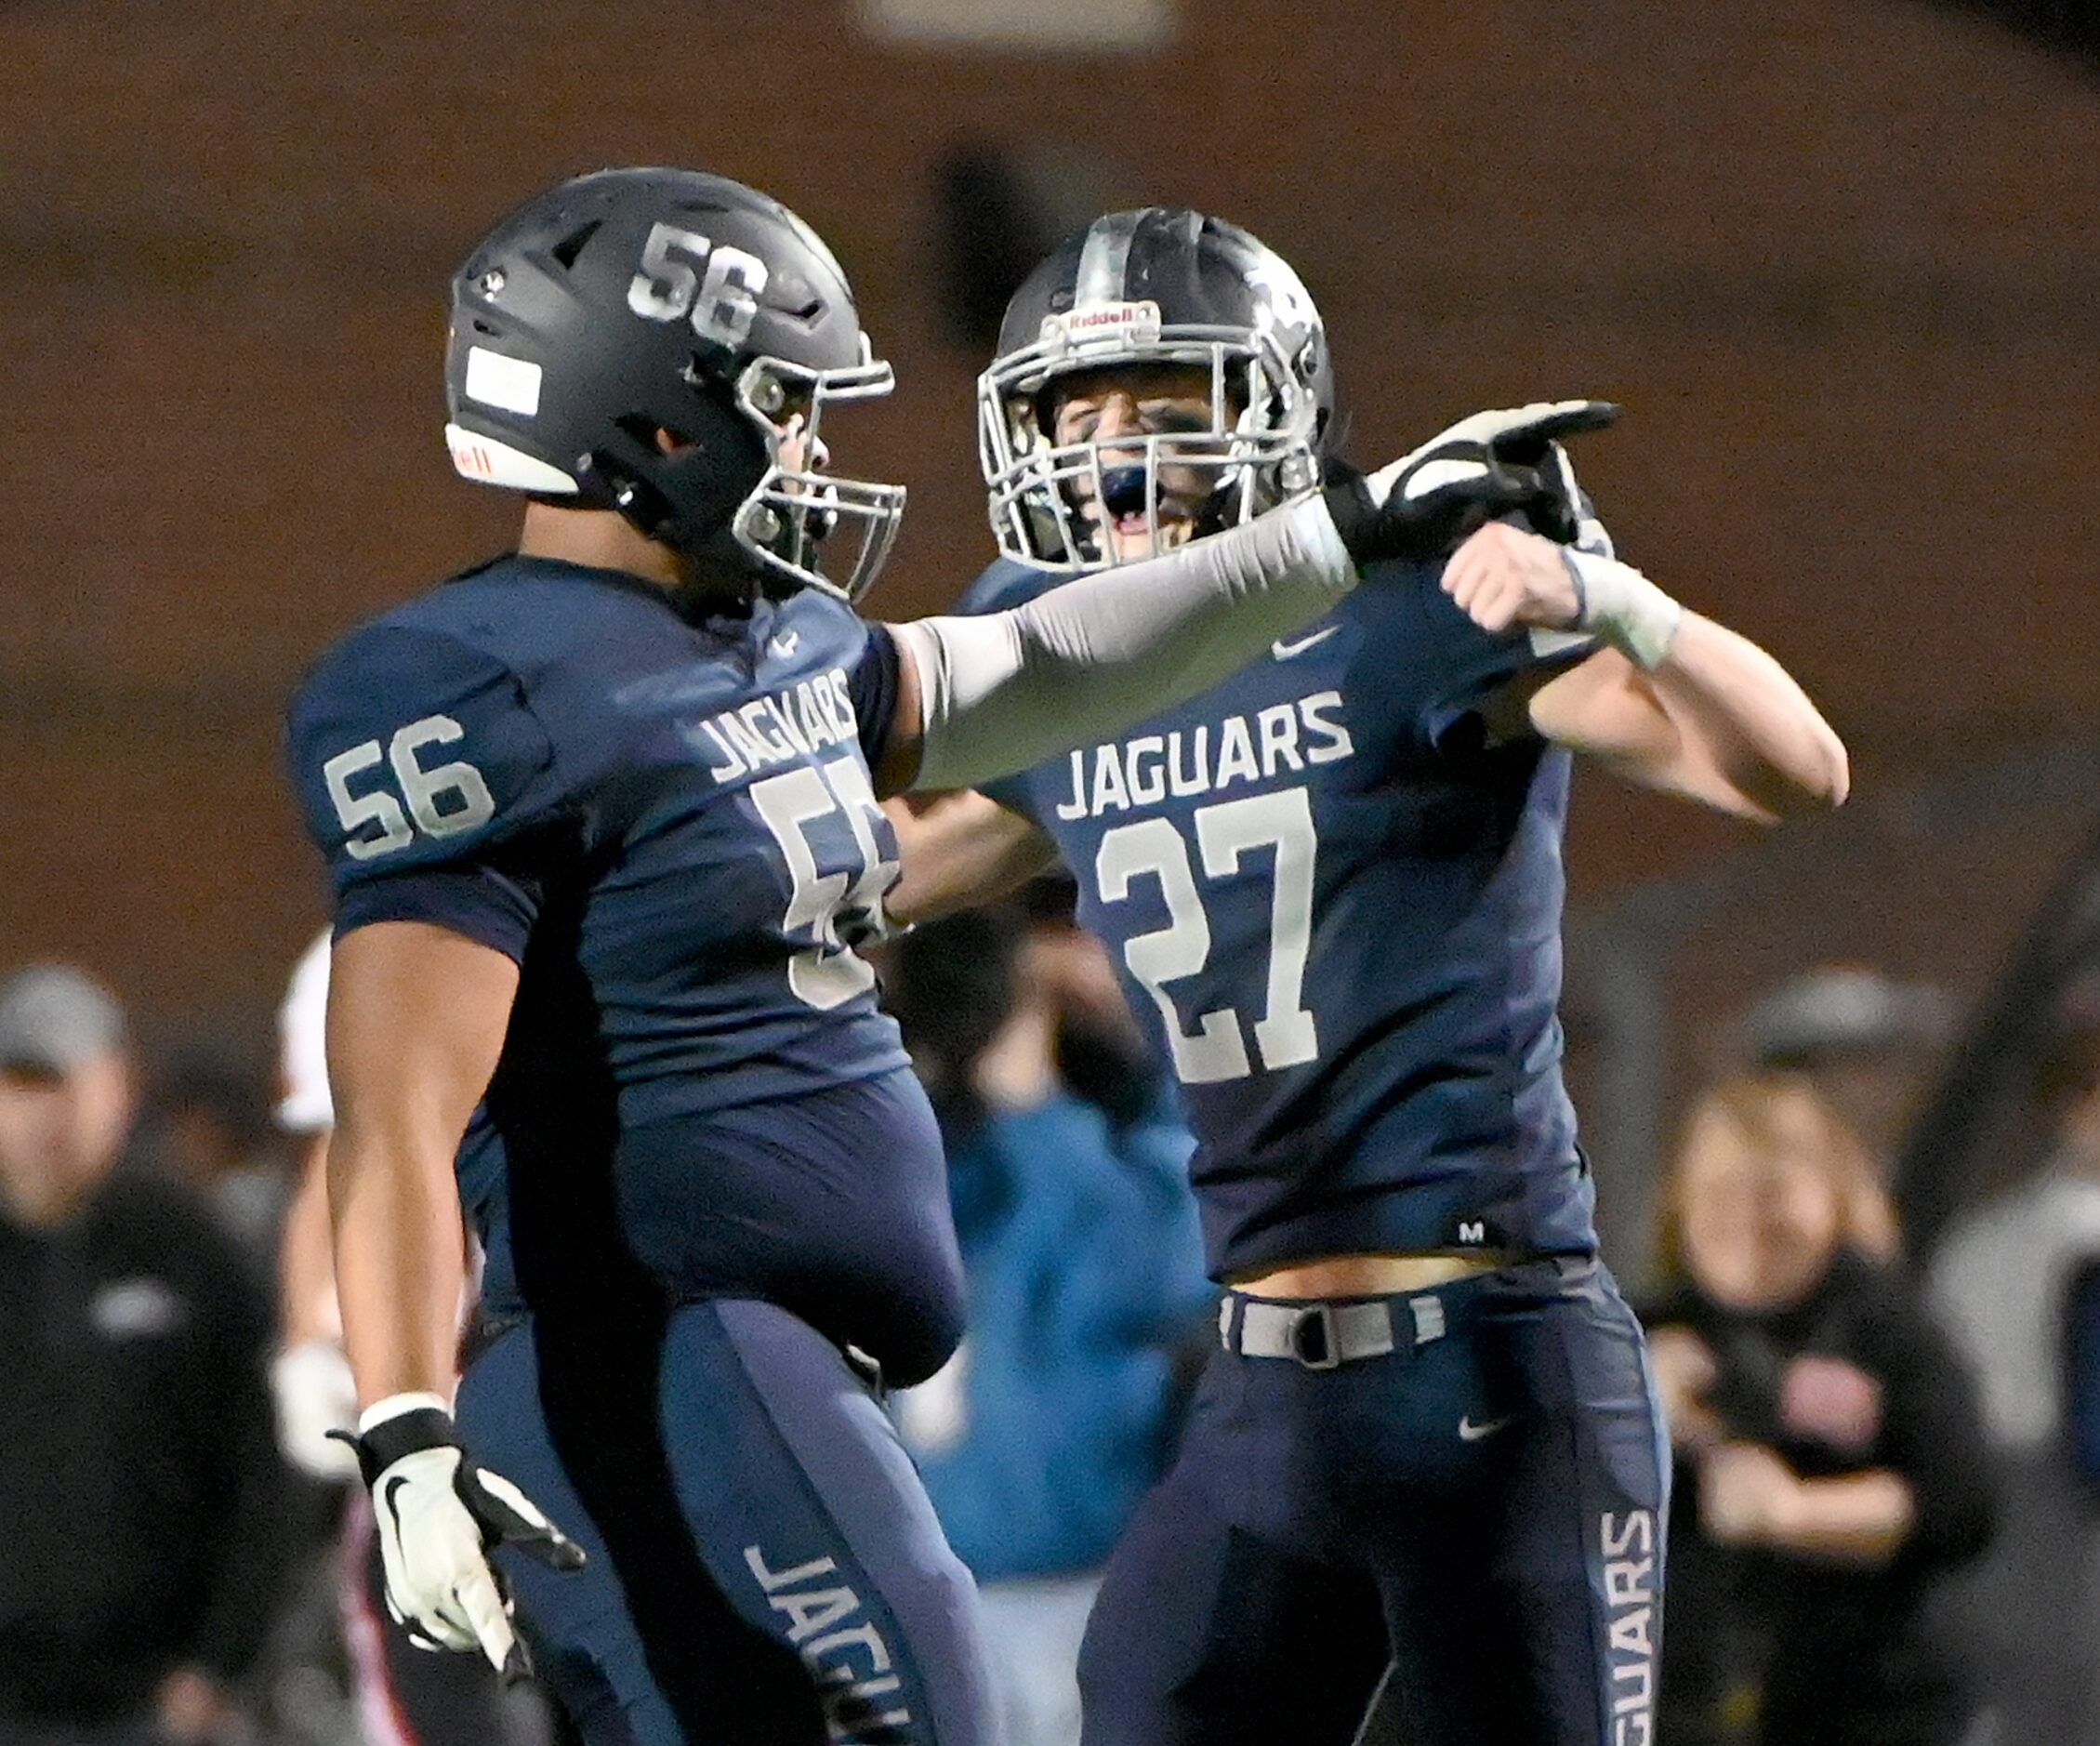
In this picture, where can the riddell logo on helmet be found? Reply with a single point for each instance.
(472, 458)
(1103, 320)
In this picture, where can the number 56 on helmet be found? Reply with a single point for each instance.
(634, 302)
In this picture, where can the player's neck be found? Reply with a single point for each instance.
(601, 538)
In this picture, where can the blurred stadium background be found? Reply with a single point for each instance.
(1840, 260)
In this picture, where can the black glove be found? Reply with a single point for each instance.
(1530, 437)
(1524, 434)
(1489, 464)
(1421, 526)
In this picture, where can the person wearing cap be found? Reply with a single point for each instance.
(142, 1488)
(1865, 1038)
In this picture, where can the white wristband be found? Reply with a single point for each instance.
(393, 1406)
(1615, 602)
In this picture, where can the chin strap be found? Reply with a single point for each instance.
(715, 550)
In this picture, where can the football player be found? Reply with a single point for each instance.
(601, 819)
(1334, 881)
(401, 1697)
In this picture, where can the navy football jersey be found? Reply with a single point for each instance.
(668, 822)
(1339, 908)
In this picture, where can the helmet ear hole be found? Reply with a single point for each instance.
(651, 434)
(571, 246)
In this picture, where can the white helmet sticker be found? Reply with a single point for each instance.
(510, 384)
(1138, 323)
(488, 462)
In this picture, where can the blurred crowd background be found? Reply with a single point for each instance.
(1840, 260)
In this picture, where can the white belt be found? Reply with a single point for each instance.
(1321, 1336)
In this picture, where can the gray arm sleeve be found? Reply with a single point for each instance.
(1002, 693)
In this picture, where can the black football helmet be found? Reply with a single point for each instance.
(1161, 285)
(635, 301)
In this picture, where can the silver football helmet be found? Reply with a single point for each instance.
(1160, 285)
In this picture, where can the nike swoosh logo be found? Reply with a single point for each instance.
(1472, 1433)
(783, 645)
(389, 1491)
(1283, 651)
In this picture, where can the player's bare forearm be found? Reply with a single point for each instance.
(1676, 702)
(1717, 721)
(398, 1263)
(416, 1017)
(957, 850)
(1742, 714)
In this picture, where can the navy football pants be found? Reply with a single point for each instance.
(1484, 1510)
(764, 1566)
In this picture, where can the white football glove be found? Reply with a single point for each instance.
(1522, 436)
(440, 1515)
(1613, 601)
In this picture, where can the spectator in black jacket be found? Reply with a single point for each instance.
(1830, 1456)
(140, 1488)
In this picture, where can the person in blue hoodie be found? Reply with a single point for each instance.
(1084, 1283)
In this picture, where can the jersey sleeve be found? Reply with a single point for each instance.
(1011, 792)
(427, 782)
(1458, 669)
(997, 589)
(872, 685)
